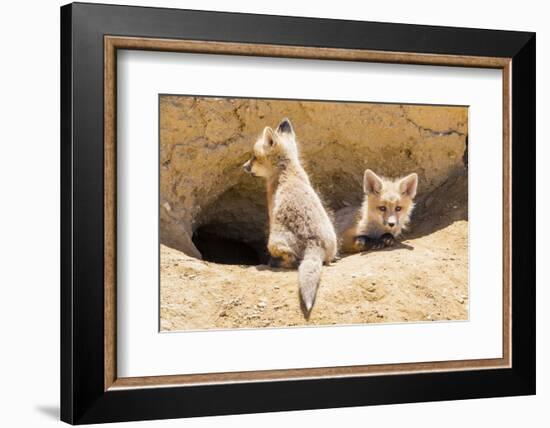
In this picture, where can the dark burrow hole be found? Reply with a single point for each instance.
(217, 248)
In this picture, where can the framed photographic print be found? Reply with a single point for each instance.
(265, 213)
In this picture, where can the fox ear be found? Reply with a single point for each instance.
(269, 141)
(409, 184)
(371, 182)
(285, 127)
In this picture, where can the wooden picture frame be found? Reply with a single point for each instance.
(91, 391)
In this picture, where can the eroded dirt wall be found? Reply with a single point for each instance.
(205, 141)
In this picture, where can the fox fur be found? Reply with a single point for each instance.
(300, 230)
(385, 213)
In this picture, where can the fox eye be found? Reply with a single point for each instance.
(382, 208)
(397, 208)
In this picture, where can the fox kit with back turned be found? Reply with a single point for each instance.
(300, 231)
(384, 214)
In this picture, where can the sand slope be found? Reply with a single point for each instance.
(423, 279)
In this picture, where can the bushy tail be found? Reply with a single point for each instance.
(309, 274)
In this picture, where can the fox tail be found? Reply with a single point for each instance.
(309, 274)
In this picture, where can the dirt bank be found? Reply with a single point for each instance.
(423, 279)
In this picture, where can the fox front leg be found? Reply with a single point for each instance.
(366, 243)
(388, 239)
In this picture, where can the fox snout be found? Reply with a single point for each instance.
(247, 166)
(391, 221)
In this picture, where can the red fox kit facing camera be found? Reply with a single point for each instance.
(300, 231)
(384, 214)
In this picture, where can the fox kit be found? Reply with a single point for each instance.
(300, 231)
(384, 214)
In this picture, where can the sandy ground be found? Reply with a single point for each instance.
(425, 278)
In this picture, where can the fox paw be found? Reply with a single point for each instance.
(366, 243)
(286, 262)
(275, 262)
(387, 239)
